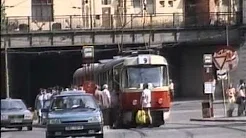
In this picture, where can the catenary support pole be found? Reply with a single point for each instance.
(6, 69)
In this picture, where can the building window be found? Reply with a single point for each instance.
(150, 8)
(138, 6)
(170, 3)
(162, 3)
(106, 2)
(42, 10)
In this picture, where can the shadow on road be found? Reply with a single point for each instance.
(10, 130)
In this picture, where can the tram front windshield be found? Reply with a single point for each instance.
(157, 75)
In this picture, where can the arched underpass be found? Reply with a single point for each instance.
(30, 71)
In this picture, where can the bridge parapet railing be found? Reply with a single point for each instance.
(120, 22)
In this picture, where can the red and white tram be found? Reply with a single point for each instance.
(127, 75)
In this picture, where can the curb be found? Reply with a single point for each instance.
(217, 120)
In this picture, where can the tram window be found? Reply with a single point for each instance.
(109, 78)
(152, 74)
(165, 75)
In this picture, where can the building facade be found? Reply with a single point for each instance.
(104, 14)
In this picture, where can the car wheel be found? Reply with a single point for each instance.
(99, 136)
(29, 128)
(19, 128)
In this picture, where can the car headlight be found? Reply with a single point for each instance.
(28, 116)
(95, 119)
(54, 121)
(4, 117)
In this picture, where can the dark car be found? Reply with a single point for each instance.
(14, 114)
(73, 114)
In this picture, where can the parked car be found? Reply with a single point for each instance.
(14, 114)
(73, 114)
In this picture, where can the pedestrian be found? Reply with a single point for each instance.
(98, 95)
(231, 92)
(48, 94)
(146, 101)
(81, 89)
(106, 102)
(241, 100)
(114, 107)
(40, 103)
(171, 88)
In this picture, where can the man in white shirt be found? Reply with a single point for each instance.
(106, 103)
(106, 98)
(146, 100)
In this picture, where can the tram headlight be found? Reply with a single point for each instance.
(135, 102)
(160, 101)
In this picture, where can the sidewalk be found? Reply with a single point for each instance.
(221, 119)
(180, 101)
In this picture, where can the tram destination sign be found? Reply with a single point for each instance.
(88, 52)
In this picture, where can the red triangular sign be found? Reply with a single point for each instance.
(219, 62)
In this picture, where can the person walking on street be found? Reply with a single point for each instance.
(114, 107)
(171, 88)
(98, 95)
(40, 103)
(231, 92)
(106, 103)
(241, 97)
(146, 101)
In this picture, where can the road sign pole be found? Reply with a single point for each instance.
(224, 99)
(227, 35)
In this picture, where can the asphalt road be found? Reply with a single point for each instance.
(178, 126)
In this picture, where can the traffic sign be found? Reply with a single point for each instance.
(88, 51)
(222, 75)
(226, 58)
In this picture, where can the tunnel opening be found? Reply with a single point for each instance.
(35, 68)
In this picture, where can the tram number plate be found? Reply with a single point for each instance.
(74, 128)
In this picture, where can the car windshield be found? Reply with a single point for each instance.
(13, 104)
(73, 102)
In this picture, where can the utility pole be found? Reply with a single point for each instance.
(6, 68)
(4, 28)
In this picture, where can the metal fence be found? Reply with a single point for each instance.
(121, 22)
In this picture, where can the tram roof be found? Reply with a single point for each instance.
(97, 68)
(112, 63)
(81, 71)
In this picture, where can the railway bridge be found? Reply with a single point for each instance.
(46, 54)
